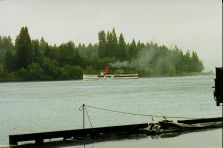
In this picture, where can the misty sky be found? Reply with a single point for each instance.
(189, 24)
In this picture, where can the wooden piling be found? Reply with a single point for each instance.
(218, 93)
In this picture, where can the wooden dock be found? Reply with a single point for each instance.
(67, 134)
(161, 127)
(202, 120)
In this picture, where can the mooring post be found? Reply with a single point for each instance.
(12, 140)
(83, 106)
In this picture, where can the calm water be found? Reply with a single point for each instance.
(48, 106)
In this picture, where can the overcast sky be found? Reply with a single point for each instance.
(189, 24)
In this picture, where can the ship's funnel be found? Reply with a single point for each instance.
(106, 69)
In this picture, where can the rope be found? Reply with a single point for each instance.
(88, 117)
(137, 114)
(81, 108)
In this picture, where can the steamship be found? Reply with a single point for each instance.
(110, 76)
(104, 75)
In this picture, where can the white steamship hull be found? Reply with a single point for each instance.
(110, 76)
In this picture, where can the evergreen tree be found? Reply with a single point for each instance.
(10, 61)
(102, 44)
(114, 44)
(109, 46)
(77, 59)
(66, 53)
(54, 53)
(0, 41)
(196, 64)
(44, 48)
(5, 44)
(132, 50)
(37, 60)
(36, 51)
(121, 53)
(24, 52)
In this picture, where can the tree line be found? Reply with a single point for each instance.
(33, 60)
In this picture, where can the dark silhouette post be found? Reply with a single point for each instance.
(83, 107)
(218, 92)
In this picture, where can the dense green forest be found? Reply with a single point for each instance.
(34, 60)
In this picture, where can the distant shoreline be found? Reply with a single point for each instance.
(190, 75)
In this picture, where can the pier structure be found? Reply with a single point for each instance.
(164, 126)
(79, 133)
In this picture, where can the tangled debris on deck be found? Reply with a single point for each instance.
(167, 126)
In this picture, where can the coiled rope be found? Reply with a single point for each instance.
(136, 114)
